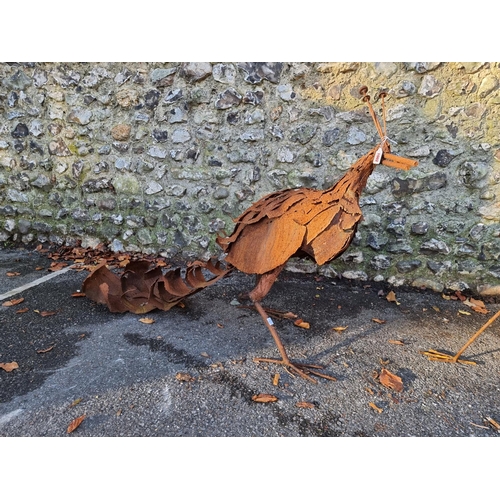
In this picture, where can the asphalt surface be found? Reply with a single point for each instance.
(191, 372)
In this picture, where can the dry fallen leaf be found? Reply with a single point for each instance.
(396, 342)
(476, 305)
(75, 423)
(45, 313)
(276, 379)
(42, 351)
(57, 266)
(8, 367)
(10, 274)
(339, 328)
(301, 323)
(391, 297)
(75, 402)
(305, 404)
(264, 398)
(390, 380)
(465, 313)
(147, 321)
(184, 377)
(476, 302)
(375, 407)
(23, 310)
(481, 310)
(436, 308)
(78, 294)
(13, 302)
(379, 321)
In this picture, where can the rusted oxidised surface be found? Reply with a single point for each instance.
(142, 288)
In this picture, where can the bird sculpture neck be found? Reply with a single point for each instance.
(355, 179)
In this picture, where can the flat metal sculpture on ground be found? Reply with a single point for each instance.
(303, 222)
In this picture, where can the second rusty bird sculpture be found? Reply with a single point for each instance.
(319, 224)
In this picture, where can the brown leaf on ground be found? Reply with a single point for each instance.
(396, 342)
(276, 379)
(184, 377)
(75, 423)
(264, 398)
(57, 266)
(302, 324)
(481, 310)
(45, 313)
(391, 297)
(390, 380)
(147, 321)
(13, 302)
(8, 367)
(375, 407)
(339, 328)
(78, 294)
(379, 321)
(476, 305)
(460, 295)
(23, 310)
(305, 404)
(42, 351)
(11, 274)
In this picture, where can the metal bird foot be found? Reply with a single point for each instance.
(433, 355)
(301, 369)
(447, 358)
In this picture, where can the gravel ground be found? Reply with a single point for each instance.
(191, 372)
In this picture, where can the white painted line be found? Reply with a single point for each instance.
(20, 289)
(9, 416)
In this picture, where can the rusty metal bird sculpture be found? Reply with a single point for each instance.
(304, 222)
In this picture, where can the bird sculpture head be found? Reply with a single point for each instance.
(382, 154)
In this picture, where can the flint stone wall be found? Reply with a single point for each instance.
(159, 157)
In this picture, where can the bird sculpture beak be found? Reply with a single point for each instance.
(400, 162)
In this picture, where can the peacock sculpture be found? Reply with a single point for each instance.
(300, 222)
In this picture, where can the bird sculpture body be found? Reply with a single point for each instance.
(302, 222)
(319, 224)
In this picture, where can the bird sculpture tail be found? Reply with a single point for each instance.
(143, 287)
